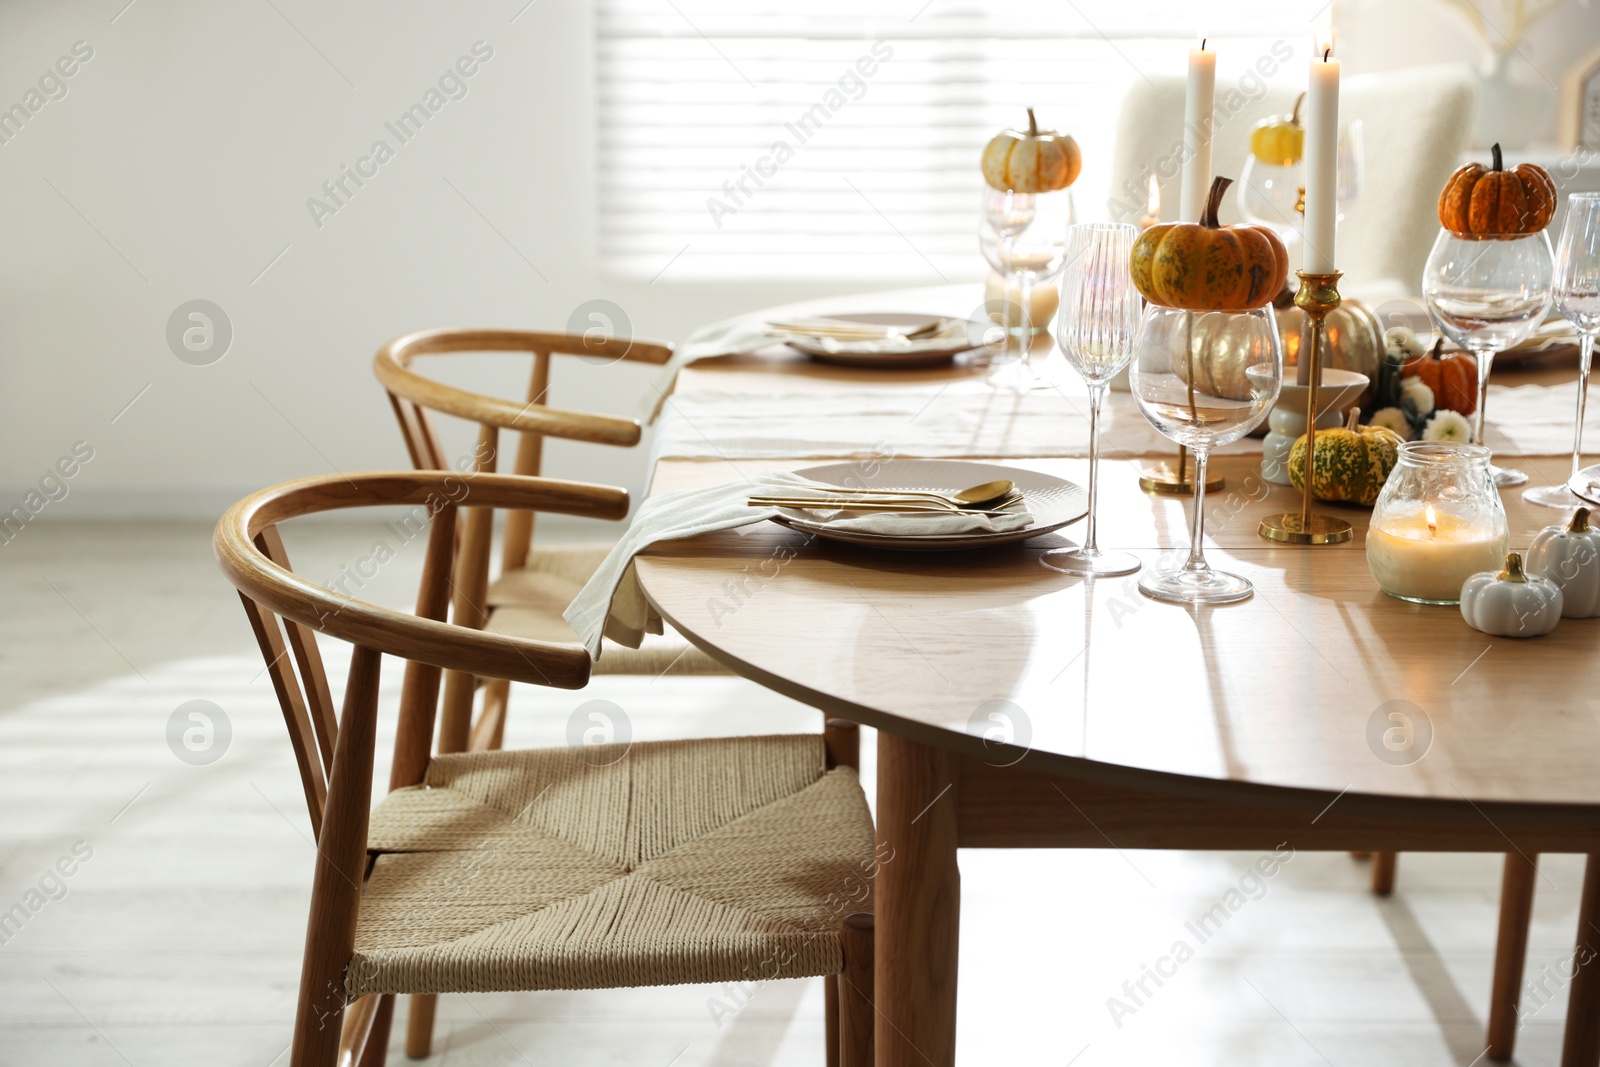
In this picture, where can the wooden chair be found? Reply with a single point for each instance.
(535, 585)
(727, 860)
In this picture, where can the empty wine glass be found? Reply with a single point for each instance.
(1203, 379)
(1487, 294)
(1351, 166)
(1096, 327)
(1576, 291)
(1024, 237)
(1273, 194)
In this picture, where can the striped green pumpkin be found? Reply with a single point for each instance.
(1352, 463)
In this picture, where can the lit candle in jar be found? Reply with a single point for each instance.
(1004, 303)
(1152, 205)
(1426, 553)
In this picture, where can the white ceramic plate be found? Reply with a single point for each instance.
(1053, 502)
(953, 337)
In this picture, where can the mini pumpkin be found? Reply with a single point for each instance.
(1453, 378)
(1031, 161)
(1511, 603)
(1203, 266)
(1352, 462)
(1493, 202)
(1280, 141)
(1570, 556)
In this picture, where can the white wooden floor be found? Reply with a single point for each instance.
(177, 940)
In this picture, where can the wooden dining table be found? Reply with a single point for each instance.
(1021, 707)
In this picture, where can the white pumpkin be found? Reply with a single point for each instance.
(1570, 556)
(1509, 603)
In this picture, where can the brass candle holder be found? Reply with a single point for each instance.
(1318, 294)
(1164, 478)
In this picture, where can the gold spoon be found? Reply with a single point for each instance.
(985, 493)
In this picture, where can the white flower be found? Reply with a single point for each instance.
(1394, 419)
(1448, 425)
(1402, 342)
(1417, 395)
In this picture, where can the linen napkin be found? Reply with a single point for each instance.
(612, 605)
(726, 338)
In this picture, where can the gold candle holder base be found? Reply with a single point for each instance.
(1295, 529)
(1318, 294)
(1163, 479)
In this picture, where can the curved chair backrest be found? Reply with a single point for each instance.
(252, 556)
(414, 397)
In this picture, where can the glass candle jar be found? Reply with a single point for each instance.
(1437, 522)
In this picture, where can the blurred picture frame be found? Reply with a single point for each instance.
(1580, 103)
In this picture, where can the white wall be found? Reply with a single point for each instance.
(192, 140)
(190, 143)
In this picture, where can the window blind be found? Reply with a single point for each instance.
(740, 141)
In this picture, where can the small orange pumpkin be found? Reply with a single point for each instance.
(1453, 379)
(1497, 203)
(1031, 161)
(1201, 266)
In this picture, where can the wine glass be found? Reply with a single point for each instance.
(1024, 237)
(1203, 379)
(1273, 194)
(1096, 327)
(1576, 290)
(1487, 294)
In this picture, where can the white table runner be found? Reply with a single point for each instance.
(966, 420)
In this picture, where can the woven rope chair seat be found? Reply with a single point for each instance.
(680, 862)
(528, 603)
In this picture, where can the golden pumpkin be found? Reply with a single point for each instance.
(1031, 161)
(1201, 266)
(1280, 141)
(1223, 346)
(1352, 462)
(1497, 203)
(1352, 339)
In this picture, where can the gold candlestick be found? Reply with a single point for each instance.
(1318, 295)
(1175, 481)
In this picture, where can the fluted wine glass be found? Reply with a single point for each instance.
(1095, 328)
(1576, 291)
(1487, 294)
(1204, 379)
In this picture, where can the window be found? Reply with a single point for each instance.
(740, 142)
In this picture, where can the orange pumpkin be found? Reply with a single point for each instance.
(1031, 161)
(1497, 203)
(1453, 379)
(1201, 266)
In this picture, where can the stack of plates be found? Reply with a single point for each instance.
(887, 339)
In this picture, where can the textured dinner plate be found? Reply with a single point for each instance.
(1053, 502)
(953, 337)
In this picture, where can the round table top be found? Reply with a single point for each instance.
(1319, 681)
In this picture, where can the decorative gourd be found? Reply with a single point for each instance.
(1352, 462)
(1511, 603)
(1201, 266)
(1280, 141)
(1352, 339)
(1223, 346)
(1570, 557)
(1031, 161)
(1453, 379)
(1493, 202)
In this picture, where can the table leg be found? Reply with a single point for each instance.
(1581, 1046)
(1510, 952)
(918, 904)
